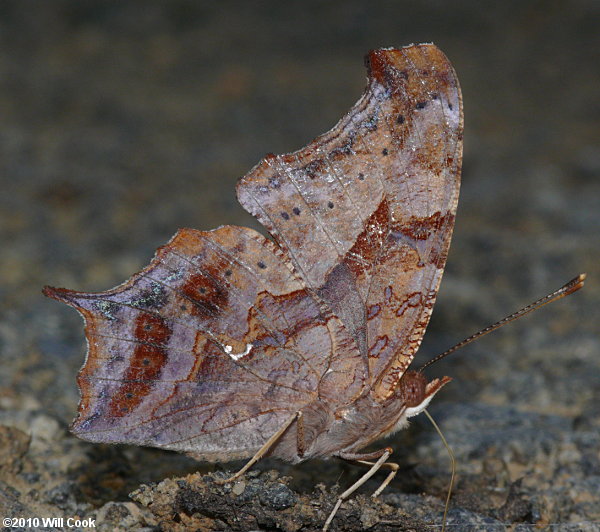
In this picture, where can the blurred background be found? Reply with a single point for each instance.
(124, 121)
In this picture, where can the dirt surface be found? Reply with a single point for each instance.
(123, 121)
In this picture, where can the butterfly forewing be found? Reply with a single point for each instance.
(365, 212)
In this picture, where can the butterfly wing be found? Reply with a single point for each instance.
(366, 211)
(225, 335)
(208, 350)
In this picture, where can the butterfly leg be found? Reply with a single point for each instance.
(264, 449)
(382, 455)
(300, 443)
(388, 465)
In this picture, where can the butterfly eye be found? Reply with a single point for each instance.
(413, 388)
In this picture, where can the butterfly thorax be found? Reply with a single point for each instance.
(351, 427)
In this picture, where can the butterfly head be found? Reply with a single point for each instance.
(415, 392)
(412, 394)
(412, 388)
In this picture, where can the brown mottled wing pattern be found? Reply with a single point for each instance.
(208, 350)
(365, 212)
(225, 335)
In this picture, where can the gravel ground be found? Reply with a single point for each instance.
(123, 121)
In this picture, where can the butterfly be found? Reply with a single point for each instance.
(232, 345)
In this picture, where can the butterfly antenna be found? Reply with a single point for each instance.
(572, 286)
(452, 464)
